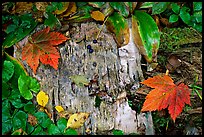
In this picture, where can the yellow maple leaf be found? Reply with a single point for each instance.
(59, 108)
(42, 98)
(97, 15)
(77, 120)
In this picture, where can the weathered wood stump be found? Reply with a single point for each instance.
(112, 67)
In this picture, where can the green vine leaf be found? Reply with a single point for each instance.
(19, 120)
(8, 71)
(26, 84)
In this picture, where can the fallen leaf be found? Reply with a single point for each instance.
(41, 46)
(79, 80)
(97, 15)
(41, 6)
(71, 9)
(59, 108)
(22, 7)
(42, 98)
(32, 120)
(77, 120)
(166, 94)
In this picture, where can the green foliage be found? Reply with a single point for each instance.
(21, 27)
(51, 20)
(117, 132)
(121, 7)
(54, 6)
(8, 71)
(26, 84)
(149, 34)
(159, 7)
(190, 17)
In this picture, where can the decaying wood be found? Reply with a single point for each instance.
(114, 69)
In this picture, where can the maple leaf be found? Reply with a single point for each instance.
(42, 46)
(166, 94)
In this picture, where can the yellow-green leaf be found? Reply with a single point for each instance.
(79, 80)
(59, 108)
(77, 120)
(118, 25)
(42, 98)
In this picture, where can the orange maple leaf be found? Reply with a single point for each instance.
(166, 94)
(42, 46)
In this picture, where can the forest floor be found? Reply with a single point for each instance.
(189, 71)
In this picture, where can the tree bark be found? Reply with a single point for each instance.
(112, 67)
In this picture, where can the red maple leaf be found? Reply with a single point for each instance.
(42, 46)
(166, 94)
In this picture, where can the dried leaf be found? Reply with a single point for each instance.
(42, 98)
(32, 120)
(41, 46)
(41, 6)
(77, 120)
(71, 9)
(166, 94)
(59, 108)
(97, 15)
(22, 7)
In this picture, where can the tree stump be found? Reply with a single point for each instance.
(113, 68)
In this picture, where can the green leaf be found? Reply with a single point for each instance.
(147, 5)
(19, 120)
(26, 84)
(41, 116)
(62, 124)
(10, 28)
(51, 20)
(23, 85)
(173, 18)
(120, 6)
(6, 126)
(8, 71)
(20, 32)
(70, 131)
(118, 25)
(46, 123)
(96, 4)
(6, 114)
(197, 6)
(29, 128)
(29, 107)
(146, 35)
(175, 8)
(198, 27)
(5, 90)
(37, 131)
(159, 7)
(53, 130)
(18, 70)
(118, 132)
(17, 103)
(184, 14)
(197, 16)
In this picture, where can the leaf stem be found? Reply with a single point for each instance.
(101, 28)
